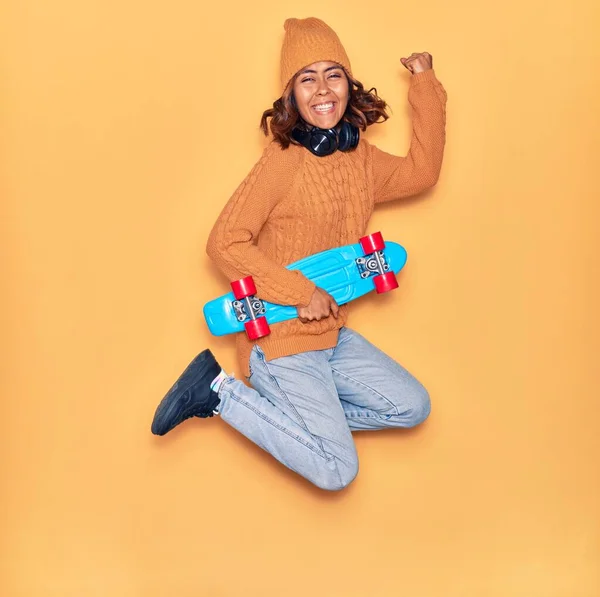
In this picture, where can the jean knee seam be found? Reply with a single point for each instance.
(369, 388)
(285, 397)
(319, 452)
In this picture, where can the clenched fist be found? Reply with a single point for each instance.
(418, 62)
(321, 305)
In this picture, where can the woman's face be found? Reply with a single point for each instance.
(321, 93)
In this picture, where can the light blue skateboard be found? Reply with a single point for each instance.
(346, 273)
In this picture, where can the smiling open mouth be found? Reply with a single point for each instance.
(324, 108)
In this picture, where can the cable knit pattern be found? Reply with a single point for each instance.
(293, 204)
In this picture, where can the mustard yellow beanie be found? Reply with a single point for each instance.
(307, 41)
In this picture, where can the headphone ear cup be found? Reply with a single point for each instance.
(348, 137)
(323, 141)
(355, 137)
(344, 137)
(320, 142)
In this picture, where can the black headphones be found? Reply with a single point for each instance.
(322, 142)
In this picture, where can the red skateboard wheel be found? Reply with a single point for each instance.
(372, 242)
(385, 282)
(257, 328)
(243, 287)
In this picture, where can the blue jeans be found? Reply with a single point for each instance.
(302, 408)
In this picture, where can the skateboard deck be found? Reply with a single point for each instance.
(346, 273)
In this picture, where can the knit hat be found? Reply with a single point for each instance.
(307, 41)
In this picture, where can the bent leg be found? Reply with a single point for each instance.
(294, 413)
(376, 392)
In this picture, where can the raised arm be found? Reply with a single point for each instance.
(396, 177)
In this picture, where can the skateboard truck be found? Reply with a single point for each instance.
(374, 262)
(248, 306)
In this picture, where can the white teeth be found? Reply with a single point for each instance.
(324, 107)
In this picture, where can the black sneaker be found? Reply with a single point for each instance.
(190, 396)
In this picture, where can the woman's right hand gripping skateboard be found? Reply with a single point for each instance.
(321, 305)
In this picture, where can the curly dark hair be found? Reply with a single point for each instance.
(364, 109)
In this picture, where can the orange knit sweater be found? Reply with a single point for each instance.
(293, 204)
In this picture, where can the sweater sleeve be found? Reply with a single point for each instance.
(232, 243)
(396, 177)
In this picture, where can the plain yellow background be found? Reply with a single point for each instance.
(125, 128)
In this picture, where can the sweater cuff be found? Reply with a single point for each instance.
(306, 289)
(426, 75)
